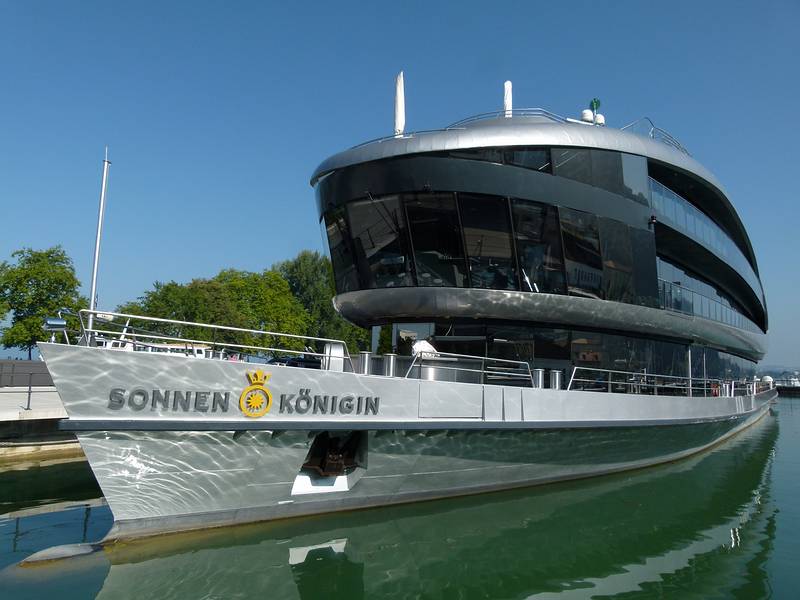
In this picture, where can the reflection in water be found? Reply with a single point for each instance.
(702, 527)
(26, 484)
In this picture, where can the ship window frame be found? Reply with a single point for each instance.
(408, 199)
(513, 276)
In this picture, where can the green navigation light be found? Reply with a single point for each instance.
(594, 104)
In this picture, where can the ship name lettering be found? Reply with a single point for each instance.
(303, 403)
(209, 401)
(164, 400)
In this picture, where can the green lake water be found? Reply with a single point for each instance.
(723, 524)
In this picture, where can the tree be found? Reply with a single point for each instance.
(233, 298)
(266, 302)
(37, 286)
(310, 277)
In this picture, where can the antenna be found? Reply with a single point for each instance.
(594, 105)
(508, 104)
(399, 106)
(100, 215)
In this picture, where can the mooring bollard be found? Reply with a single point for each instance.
(389, 364)
(364, 361)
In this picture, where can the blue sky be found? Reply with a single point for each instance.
(217, 113)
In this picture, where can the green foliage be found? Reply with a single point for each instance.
(385, 340)
(35, 287)
(310, 277)
(232, 298)
(293, 297)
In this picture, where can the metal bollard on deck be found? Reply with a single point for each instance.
(364, 362)
(389, 364)
(538, 378)
(555, 379)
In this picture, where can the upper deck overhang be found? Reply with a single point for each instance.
(392, 305)
(543, 131)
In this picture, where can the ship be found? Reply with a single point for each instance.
(589, 300)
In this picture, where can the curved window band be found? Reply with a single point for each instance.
(468, 240)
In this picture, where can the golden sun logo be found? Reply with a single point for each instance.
(256, 399)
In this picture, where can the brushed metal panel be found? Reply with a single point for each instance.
(248, 479)
(454, 400)
(492, 403)
(519, 131)
(378, 306)
(512, 404)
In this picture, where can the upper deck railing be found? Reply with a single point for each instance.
(120, 332)
(643, 127)
(130, 336)
(517, 112)
(610, 380)
(485, 369)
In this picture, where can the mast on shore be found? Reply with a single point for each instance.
(100, 215)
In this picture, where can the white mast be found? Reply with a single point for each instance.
(508, 105)
(399, 106)
(100, 214)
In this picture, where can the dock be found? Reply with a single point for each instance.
(30, 411)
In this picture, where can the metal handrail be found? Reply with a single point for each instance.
(650, 380)
(653, 132)
(422, 356)
(748, 324)
(191, 342)
(517, 112)
(132, 334)
(656, 133)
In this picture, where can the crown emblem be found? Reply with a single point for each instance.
(256, 399)
(258, 377)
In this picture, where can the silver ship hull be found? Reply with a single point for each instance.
(168, 464)
(512, 533)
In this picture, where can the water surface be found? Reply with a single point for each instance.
(724, 524)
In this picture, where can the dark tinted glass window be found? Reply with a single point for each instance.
(670, 359)
(698, 362)
(645, 277)
(607, 171)
(551, 345)
(618, 280)
(537, 159)
(342, 257)
(487, 235)
(494, 155)
(510, 343)
(619, 173)
(436, 238)
(623, 353)
(540, 347)
(635, 180)
(538, 240)
(380, 242)
(587, 350)
(573, 163)
(582, 261)
(460, 339)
